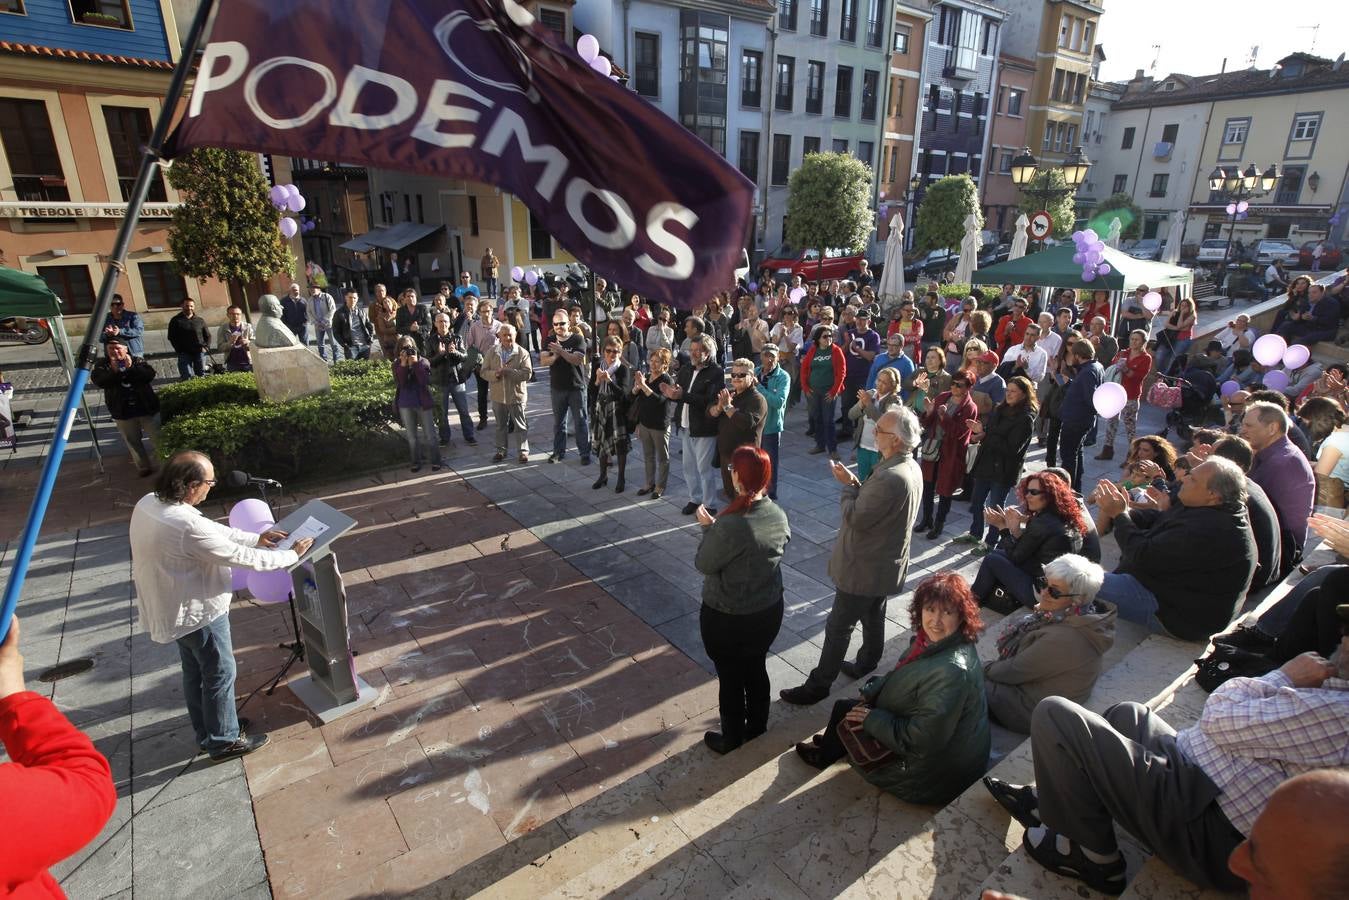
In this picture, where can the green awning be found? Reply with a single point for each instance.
(1054, 267)
(25, 294)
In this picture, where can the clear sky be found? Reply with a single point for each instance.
(1195, 35)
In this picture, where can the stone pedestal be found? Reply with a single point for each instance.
(288, 373)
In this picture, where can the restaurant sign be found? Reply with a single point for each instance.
(58, 210)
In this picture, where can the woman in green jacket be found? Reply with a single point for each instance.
(740, 557)
(926, 722)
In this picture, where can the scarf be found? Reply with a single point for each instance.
(1033, 621)
(920, 643)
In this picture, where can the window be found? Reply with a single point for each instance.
(901, 39)
(989, 47)
(1100, 128)
(13, 6)
(1065, 28)
(555, 21)
(128, 132)
(865, 150)
(1234, 132)
(26, 137)
(540, 241)
(782, 93)
(894, 163)
(1079, 88)
(749, 155)
(1049, 135)
(407, 207)
(163, 284)
(896, 97)
(843, 93)
(815, 87)
(787, 15)
(1091, 120)
(1169, 133)
(703, 76)
(1289, 188)
(873, 23)
(1059, 133)
(1056, 92)
(1014, 98)
(1119, 185)
(1087, 36)
(1159, 185)
(646, 71)
(421, 210)
(108, 13)
(1128, 141)
(751, 78)
(957, 100)
(473, 226)
(809, 145)
(840, 145)
(871, 80)
(1070, 138)
(1306, 126)
(1005, 158)
(847, 21)
(72, 284)
(819, 18)
(782, 158)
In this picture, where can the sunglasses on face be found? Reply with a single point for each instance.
(1035, 492)
(1042, 584)
(738, 375)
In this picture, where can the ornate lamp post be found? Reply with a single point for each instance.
(1026, 171)
(1237, 188)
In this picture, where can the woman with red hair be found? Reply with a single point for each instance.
(740, 557)
(1051, 525)
(919, 732)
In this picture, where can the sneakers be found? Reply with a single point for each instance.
(245, 745)
(523, 458)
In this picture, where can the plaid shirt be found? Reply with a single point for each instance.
(1255, 733)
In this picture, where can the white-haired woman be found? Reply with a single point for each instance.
(1054, 650)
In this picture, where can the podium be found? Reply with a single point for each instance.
(332, 688)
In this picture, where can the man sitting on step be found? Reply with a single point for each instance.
(1191, 797)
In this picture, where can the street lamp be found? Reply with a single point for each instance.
(1026, 169)
(914, 196)
(1236, 187)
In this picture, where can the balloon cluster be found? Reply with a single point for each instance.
(588, 46)
(1090, 254)
(530, 277)
(286, 198)
(1271, 350)
(267, 587)
(1238, 210)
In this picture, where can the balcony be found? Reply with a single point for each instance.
(1162, 150)
(961, 64)
(41, 189)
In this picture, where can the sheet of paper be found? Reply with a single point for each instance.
(310, 528)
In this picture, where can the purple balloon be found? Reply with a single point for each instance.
(1104, 269)
(239, 579)
(279, 195)
(1090, 234)
(531, 278)
(1088, 275)
(753, 286)
(517, 273)
(1229, 388)
(1079, 259)
(602, 65)
(270, 587)
(292, 190)
(288, 227)
(295, 203)
(251, 514)
(1276, 380)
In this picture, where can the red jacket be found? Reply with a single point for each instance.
(1011, 332)
(948, 470)
(840, 369)
(55, 796)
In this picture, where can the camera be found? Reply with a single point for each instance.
(407, 351)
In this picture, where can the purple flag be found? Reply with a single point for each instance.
(477, 90)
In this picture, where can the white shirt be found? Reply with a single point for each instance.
(1229, 338)
(180, 562)
(787, 341)
(1051, 342)
(658, 336)
(1036, 360)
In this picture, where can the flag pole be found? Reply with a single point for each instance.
(88, 353)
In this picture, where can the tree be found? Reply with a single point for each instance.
(829, 204)
(1122, 205)
(226, 227)
(1060, 206)
(940, 220)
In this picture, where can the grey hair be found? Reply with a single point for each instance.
(180, 475)
(746, 364)
(1227, 481)
(1083, 577)
(1268, 414)
(708, 343)
(439, 316)
(907, 430)
(506, 326)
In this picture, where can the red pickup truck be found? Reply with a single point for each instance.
(785, 262)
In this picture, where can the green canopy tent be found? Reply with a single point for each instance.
(25, 294)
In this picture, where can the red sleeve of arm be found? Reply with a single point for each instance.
(55, 796)
(840, 369)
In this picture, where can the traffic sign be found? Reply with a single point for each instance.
(1040, 225)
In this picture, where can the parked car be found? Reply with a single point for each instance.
(930, 265)
(1332, 257)
(994, 254)
(1147, 248)
(1214, 250)
(1264, 252)
(785, 262)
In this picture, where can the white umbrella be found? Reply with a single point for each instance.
(1019, 238)
(969, 250)
(892, 274)
(1171, 252)
(1112, 235)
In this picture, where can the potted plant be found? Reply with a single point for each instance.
(98, 18)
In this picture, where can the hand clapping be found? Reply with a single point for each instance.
(703, 516)
(1110, 499)
(995, 516)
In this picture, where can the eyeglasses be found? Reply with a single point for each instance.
(118, 303)
(210, 482)
(1042, 584)
(610, 350)
(739, 375)
(1035, 492)
(561, 323)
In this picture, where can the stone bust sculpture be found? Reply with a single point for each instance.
(270, 331)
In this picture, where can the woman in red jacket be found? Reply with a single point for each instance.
(946, 437)
(55, 796)
(822, 372)
(1133, 365)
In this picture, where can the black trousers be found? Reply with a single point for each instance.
(829, 742)
(483, 392)
(1314, 626)
(738, 647)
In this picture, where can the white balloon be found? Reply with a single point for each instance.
(1269, 349)
(1110, 399)
(602, 65)
(1296, 356)
(1152, 300)
(589, 47)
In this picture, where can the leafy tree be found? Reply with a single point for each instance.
(829, 203)
(940, 220)
(226, 227)
(1122, 205)
(1060, 207)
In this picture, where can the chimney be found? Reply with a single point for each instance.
(1138, 75)
(1223, 70)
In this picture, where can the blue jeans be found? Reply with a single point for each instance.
(771, 443)
(822, 414)
(412, 418)
(571, 401)
(983, 493)
(996, 569)
(324, 336)
(1136, 603)
(190, 364)
(208, 684)
(700, 476)
(1166, 356)
(459, 394)
(357, 351)
(1070, 450)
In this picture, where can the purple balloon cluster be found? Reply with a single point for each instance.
(286, 198)
(1238, 210)
(1090, 254)
(588, 47)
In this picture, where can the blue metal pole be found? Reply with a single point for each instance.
(88, 352)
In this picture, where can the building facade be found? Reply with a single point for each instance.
(81, 84)
(1101, 99)
(1007, 137)
(903, 100)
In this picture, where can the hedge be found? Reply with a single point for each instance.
(345, 430)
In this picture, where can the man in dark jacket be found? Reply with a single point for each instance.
(413, 319)
(189, 336)
(1186, 570)
(740, 411)
(1078, 414)
(295, 314)
(696, 389)
(1264, 520)
(131, 401)
(351, 327)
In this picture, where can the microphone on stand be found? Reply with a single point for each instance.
(238, 479)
